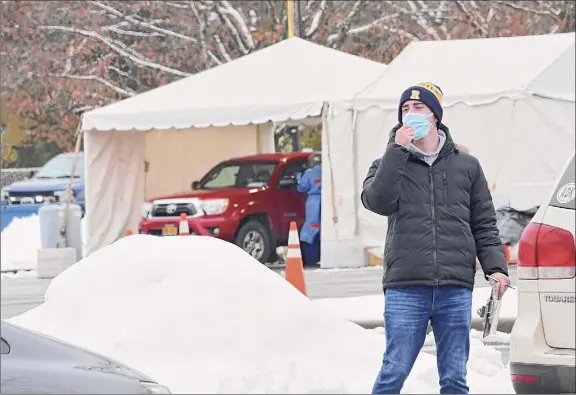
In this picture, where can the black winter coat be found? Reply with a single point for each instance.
(440, 217)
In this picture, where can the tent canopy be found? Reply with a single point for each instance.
(288, 80)
(479, 71)
(156, 143)
(509, 100)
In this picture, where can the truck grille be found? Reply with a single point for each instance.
(28, 197)
(173, 210)
(158, 232)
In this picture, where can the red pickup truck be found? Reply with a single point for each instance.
(249, 201)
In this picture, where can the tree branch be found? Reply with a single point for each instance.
(202, 31)
(233, 29)
(551, 12)
(315, 24)
(141, 23)
(221, 48)
(228, 9)
(101, 80)
(378, 22)
(116, 48)
(176, 5)
(131, 32)
(481, 29)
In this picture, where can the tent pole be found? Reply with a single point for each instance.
(258, 140)
(325, 128)
(290, 13)
(69, 193)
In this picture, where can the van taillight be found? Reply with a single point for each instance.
(546, 252)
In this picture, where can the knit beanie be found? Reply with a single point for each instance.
(424, 92)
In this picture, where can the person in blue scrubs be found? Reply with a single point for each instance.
(311, 184)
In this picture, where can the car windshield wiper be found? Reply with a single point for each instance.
(67, 176)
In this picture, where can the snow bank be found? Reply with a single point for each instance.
(20, 244)
(201, 316)
(371, 308)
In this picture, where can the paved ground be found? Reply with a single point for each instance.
(21, 295)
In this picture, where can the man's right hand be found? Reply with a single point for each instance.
(404, 135)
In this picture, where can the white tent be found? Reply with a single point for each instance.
(509, 100)
(159, 141)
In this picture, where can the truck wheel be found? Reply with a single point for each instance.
(254, 238)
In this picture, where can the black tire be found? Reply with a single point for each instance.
(254, 238)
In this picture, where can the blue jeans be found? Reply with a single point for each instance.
(406, 315)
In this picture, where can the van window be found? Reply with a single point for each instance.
(565, 193)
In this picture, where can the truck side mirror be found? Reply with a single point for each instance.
(31, 174)
(195, 184)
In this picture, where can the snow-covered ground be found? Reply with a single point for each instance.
(371, 308)
(20, 244)
(205, 322)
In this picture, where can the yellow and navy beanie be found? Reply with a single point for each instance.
(424, 92)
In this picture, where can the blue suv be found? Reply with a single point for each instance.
(24, 198)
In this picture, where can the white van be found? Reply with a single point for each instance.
(542, 355)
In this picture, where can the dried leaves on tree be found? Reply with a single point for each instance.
(61, 58)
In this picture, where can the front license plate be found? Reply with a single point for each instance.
(170, 230)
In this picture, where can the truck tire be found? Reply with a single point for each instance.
(254, 238)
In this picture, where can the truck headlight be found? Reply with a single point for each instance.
(154, 388)
(214, 206)
(146, 209)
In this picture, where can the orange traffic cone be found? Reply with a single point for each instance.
(183, 228)
(294, 265)
(128, 232)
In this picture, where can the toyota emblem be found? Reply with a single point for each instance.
(171, 208)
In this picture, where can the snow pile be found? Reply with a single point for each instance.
(497, 338)
(202, 316)
(20, 244)
(371, 308)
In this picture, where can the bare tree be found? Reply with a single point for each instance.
(60, 58)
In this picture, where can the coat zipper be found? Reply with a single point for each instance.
(433, 208)
(445, 182)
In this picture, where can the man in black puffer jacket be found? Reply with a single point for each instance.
(440, 218)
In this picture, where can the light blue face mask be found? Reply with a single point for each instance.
(420, 124)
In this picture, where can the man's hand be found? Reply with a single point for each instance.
(502, 284)
(404, 135)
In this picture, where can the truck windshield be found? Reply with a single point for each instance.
(238, 175)
(61, 167)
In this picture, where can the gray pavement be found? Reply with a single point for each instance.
(21, 294)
